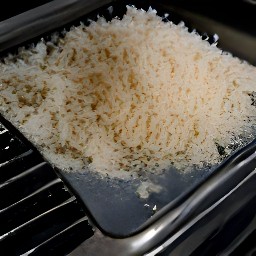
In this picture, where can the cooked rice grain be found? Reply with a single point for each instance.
(128, 94)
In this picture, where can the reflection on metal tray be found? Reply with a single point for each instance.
(192, 207)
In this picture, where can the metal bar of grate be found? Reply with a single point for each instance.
(18, 165)
(56, 242)
(32, 206)
(25, 183)
(39, 215)
(10, 146)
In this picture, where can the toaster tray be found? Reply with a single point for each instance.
(113, 204)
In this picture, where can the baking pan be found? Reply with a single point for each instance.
(188, 201)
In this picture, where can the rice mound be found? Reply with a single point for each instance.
(128, 94)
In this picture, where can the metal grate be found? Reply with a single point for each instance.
(39, 215)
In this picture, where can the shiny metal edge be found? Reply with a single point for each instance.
(45, 18)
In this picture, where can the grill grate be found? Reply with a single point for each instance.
(39, 215)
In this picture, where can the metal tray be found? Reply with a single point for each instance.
(113, 205)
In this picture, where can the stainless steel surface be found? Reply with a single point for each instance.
(43, 19)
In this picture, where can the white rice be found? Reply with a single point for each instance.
(128, 94)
